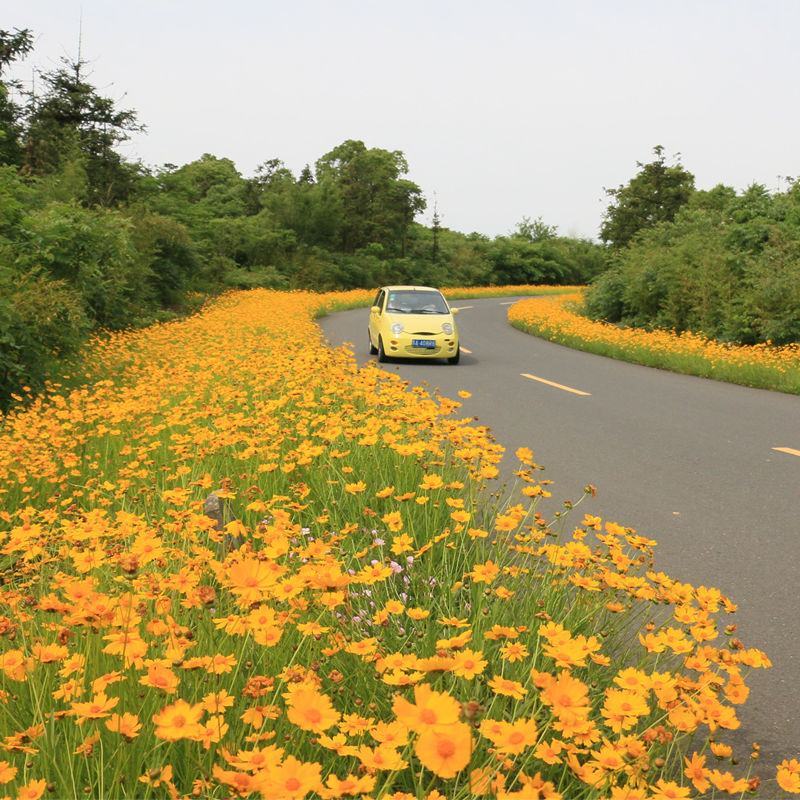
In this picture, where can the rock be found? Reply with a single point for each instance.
(214, 508)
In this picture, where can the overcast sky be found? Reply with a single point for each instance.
(504, 109)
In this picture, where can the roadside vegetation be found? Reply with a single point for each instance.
(560, 319)
(722, 264)
(363, 621)
(704, 283)
(90, 240)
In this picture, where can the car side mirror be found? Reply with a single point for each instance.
(454, 310)
(375, 310)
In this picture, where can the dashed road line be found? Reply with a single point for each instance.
(464, 350)
(555, 385)
(461, 308)
(790, 450)
(509, 303)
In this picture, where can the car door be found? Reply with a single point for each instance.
(375, 318)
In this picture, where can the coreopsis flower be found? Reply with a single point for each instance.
(161, 677)
(126, 725)
(393, 521)
(622, 709)
(468, 663)
(696, 771)
(311, 710)
(430, 482)
(428, 709)
(251, 579)
(32, 790)
(349, 786)
(669, 790)
(788, 775)
(98, 707)
(179, 721)
(484, 573)
(7, 772)
(510, 738)
(383, 758)
(445, 749)
(514, 651)
(391, 733)
(504, 686)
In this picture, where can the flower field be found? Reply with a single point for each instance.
(359, 619)
(760, 366)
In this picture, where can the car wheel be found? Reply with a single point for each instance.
(456, 358)
(372, 349)
(382, 357)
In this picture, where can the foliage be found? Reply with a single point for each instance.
(358, 621)
(14, 45)
(41, 322)
(726, 267)
(93, 251)
(763, 366)
(653, 195)
(70, 119)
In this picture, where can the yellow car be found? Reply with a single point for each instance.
(412, 322)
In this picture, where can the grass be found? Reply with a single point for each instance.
(142, 656)
(759, 366)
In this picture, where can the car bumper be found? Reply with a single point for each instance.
(401, 347)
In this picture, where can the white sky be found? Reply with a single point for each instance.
(503, 108)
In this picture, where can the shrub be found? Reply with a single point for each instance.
(40, 320)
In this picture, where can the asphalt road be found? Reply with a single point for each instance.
(687, 461)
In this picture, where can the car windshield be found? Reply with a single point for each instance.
(408, 301)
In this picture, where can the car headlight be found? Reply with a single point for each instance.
(447, 328)
(397, 329)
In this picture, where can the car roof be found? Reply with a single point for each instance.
(414, 288)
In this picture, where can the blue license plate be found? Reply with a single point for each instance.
(430, 344)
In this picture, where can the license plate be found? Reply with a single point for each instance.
(430, 344)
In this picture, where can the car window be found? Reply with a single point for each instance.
(377, 300)
(412, 301)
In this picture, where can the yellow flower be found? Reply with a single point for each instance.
(7, 772)
(508, 688)
(788, 775)
(98, 707)
(445, 750)
(126, 725)
(292, 780)
(32, 790)
(429, 708)
(393, 521)
(468, 663)
(179, 721)
(311, 710)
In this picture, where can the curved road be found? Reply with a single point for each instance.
(689, 461)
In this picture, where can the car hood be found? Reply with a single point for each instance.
(420, 322)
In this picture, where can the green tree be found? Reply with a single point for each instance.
(536, 230)
(14, 45)
(653, 195)
(71, 119)
(378, 205)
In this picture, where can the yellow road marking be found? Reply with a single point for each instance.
(790, 450)
(464, 350)
(461, 308)
(556, 385)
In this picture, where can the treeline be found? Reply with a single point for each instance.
(91, 240)
(719, 262)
